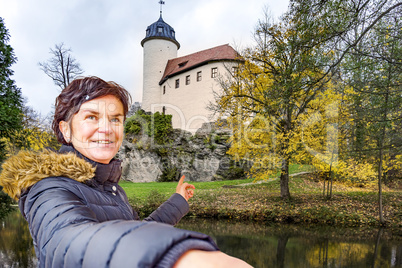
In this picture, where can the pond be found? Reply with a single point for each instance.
(259, 245)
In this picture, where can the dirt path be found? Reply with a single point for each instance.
(263, 181)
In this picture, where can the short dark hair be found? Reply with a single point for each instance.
(82, 90)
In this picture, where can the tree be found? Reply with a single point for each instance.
(35, 135)
(282, 74)
(10, 95)
(10, 103)
(291, 64)
(374, 71)
(62, 67)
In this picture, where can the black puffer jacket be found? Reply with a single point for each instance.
(79, 216)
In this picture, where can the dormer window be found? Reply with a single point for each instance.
(182, 64)
(160, 29)
(172, 33)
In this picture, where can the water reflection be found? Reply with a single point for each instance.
(260, 245)
(16, 248)
(297, 246)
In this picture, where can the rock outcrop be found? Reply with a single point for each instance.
(200, 157)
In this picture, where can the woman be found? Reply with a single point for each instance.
(77, 213)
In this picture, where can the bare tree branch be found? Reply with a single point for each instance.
(62, 67)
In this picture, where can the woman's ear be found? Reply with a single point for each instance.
(65, 130)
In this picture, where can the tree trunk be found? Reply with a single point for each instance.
(381, 157)
(323, 191)
(332, 179)
(327, 185)
(285, 194)
(284, 179)
(331, 174)
(380, 187)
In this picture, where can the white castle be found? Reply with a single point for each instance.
(181, 86)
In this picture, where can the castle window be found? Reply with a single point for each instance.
(173, 33)
(199, 76)
(164, 90)
(187, 80)
(177, 83)
(160, 29)
(214, 72)
(163, 110)
(234, 70)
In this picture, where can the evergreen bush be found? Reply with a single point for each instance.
(169, 174)
(157, 126)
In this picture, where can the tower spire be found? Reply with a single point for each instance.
(161, 3)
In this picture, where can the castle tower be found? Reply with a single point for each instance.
(159, 45)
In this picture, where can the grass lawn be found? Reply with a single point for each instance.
(349, 206)
(141, 191)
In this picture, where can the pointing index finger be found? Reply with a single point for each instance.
(181, 180)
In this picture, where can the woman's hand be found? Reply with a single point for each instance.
(184, 189)
(201, 259)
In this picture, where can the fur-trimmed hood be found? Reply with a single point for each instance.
(26, 168)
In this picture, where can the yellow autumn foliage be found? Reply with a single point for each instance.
(33, 139)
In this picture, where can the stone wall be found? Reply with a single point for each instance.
(200, 157)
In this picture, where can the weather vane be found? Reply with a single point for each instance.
(161, 3)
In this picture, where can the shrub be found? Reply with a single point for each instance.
(169, 174)
(157, 126)
(145, 208)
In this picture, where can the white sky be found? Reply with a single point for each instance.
(105, 35)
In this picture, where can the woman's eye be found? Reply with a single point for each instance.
(91, 117)
(116, 120)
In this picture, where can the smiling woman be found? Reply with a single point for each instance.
(89, 116)
(78, 215)
(96, 130)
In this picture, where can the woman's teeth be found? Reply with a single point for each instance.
(103, 142)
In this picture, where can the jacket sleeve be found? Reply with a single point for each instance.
(66, 233)
(171, 211)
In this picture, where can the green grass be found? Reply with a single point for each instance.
(141, 191)
(300, 168)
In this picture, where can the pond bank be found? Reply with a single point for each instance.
(261, 203)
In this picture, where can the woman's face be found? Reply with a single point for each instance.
(96, 131)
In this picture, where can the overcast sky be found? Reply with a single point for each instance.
(105, 35)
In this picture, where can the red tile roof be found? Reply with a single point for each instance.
(185, 63)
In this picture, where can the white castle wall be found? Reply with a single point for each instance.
(188, 103)
(156, 54)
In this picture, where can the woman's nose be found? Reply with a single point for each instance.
(104, 125)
